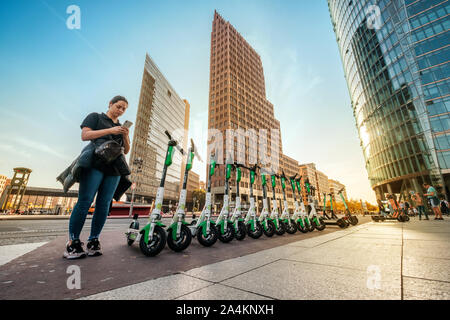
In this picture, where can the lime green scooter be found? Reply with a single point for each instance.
(254, 227)
(179, 235)
(236, 217)
(300, 211)
(204, 228)
(289, 224)
(274, 216)
(264, 219)
(223, 223)
(153, 236)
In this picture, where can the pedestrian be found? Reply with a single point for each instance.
(402, 207)
(434, 200)
(444, 206)
(100, 175)
(416, 197)
(407, 207)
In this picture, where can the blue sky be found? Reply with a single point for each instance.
(52, 77)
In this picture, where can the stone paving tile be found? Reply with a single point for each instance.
(427, 236)
(358, 255)
(375, 236)
(220, 271)
(220, 292)
(427, 268)
(313, 242)
(288, 280)
(420, 289)
(430, 249)
(164, 288)
(11, 252)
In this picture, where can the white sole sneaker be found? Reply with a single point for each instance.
(68, 255)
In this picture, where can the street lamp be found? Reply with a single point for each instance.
(137, 162)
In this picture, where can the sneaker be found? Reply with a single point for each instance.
(74, 250)
(94, 248)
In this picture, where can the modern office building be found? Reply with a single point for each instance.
(2, 183)
(308, 172)
(193, 183)
(335, 187)
(395, 56)
(323, 185)
(237, 100)
(160, 109)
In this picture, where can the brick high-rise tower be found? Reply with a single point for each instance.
(237, 100)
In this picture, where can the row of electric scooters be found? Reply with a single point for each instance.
(229, 225)
(395, 213)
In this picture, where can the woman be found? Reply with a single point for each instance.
(434, 200)
(100, 178)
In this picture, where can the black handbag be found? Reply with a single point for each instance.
(109, 151)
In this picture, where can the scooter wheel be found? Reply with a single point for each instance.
(301, 229)
(228, 233)
(406, 218)
(210, 238)
(375, 218)
(281, 228)
(353, 220)
(270, 229)
(257, 233)
(310, 227)
(342, 223)
(156, 245)
(291, 227)
(322, 225)
(182, 242)
(241, 232)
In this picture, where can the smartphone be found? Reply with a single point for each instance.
(127, 124)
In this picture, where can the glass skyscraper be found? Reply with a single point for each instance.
(395, 55)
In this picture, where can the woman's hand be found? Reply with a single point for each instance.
(126, 132)
(118, 130)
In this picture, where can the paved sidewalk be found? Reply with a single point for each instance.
(388, 260)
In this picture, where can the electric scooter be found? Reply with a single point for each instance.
(279, 225)
(204, 228)
(397, 214)
(289, 223)
(236, 217)
(306, 218)
(264, 220)
(179, 235)
(153, 236)
(299, 210)
(223, 223)
(335, 219)
(253, 226)
(314, 218)
(353, 220)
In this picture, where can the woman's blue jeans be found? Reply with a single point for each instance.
(92, 181)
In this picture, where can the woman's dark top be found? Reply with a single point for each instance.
(97, 121)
